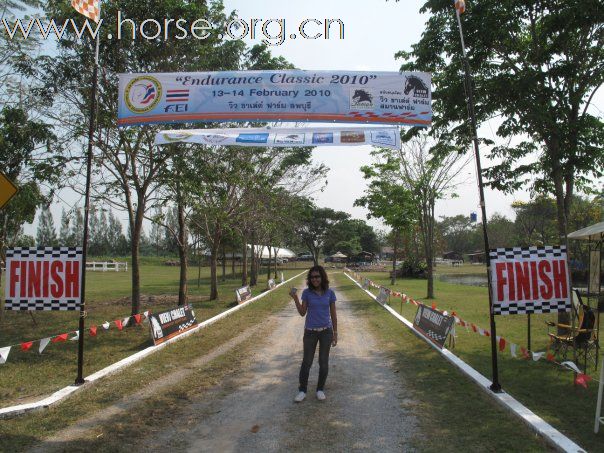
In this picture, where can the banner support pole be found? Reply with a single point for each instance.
(80, 379)
(495, 386)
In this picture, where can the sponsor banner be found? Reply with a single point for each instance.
(292, 95)
(385, 137)
(170, 323)
(432, 324)
(382, 297)
(244, 293)
(530, 280)
(43, 278)
(365, 283)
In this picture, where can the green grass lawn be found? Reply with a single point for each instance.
(126, 431)
(29, 375)
(543, 387)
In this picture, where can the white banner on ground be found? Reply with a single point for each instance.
(385, 137)
(291, 95)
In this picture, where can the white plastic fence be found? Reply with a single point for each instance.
(105, 266)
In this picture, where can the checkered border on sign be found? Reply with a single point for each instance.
(527, 252)
(512, 308)
(42, 252)
(41, 304)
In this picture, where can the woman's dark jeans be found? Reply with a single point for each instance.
(311, 338)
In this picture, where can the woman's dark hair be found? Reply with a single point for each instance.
(324, 279)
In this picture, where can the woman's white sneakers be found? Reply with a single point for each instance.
(300, 397)
(320, 395)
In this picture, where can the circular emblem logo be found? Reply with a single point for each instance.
(176, 136)
(142, 94)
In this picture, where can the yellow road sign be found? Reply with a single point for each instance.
(7, 190)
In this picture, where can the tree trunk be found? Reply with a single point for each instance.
(561, 215)
(268, 271)
(254, 271)
(213, 273)
(223, 264)
(430, 250)
(393, 278)
(276, 252)
(135, 246)
(182, 254)
(244, 262)
(233, 262)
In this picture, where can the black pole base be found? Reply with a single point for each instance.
(79, 381)
(495, 388)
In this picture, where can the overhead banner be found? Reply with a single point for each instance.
(386, 137)
(293, 95)
(433, 325)
(170, 323)
(43, 278)
(530, 280)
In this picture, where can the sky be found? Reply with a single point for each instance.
(374, 30)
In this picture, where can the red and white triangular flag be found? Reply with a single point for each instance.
(582, 380)
(59, 338)
(118, 324)
(513, 350)
(571, 366)
(106, 325)
(77, 336)
(4, 352)
(538, 355)
(43, 343)
(137, 318)
(26, 346)
(92, 331)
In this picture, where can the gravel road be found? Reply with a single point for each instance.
(363, 409)
(254, 411)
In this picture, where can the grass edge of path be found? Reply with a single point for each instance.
(453, 413)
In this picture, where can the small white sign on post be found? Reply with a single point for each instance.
(244, 293)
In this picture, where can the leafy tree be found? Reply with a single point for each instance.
(387, 200)
(537, 64)
(314, 224)
(459, 234)
(47, 234)
(534, 223)
(353, 235)
(29, 160)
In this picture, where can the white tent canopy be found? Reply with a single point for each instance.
(264, 249)
(591, 233)
(339, 255)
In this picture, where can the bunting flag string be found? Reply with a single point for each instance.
(581, 378)
(93, 330)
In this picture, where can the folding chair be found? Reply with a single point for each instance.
(581, 339)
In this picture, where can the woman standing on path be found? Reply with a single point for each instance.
(321, 326)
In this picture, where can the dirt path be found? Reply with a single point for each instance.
(254, 411)
(362, 411)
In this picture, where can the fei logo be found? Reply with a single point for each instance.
(142, 94)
